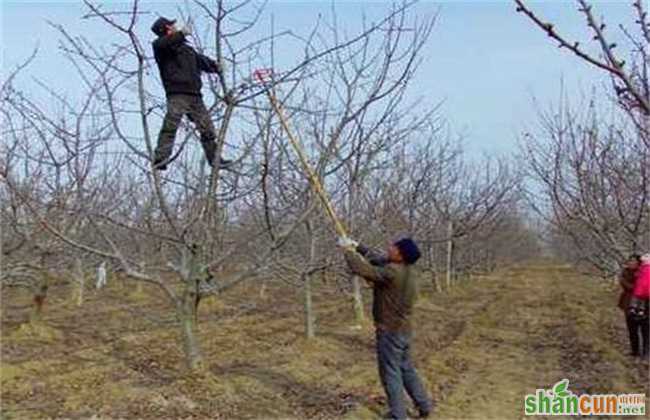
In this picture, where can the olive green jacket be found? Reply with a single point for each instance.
(394, 289)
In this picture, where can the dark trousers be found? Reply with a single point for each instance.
(397, 373)
(638, 329)
(194, 108)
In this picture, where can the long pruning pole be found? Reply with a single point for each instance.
(313, 178)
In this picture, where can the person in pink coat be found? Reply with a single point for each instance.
(639, 305)
(642, 283)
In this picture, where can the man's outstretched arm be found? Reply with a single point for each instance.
(371, 266)
(207, 64)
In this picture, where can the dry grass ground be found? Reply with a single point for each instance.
(480, 348)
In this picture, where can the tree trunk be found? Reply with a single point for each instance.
(139, 285)
(432, 266)
(359, 315)
(187, 317)
(263, 289)
(187, 309)
(450, 250)
(79, 276)
(40, 294)
(306, 277)
(309, 310)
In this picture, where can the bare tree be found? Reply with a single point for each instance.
(593, 174)
(432, 191)
(350, 111)
(594, 181)
(628, 71)
(89, 164)
(41, 153)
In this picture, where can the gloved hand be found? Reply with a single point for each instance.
(222, 66)
(185, 29)
(345, 242)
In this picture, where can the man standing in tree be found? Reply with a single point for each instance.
(180, 69)
(394, 293)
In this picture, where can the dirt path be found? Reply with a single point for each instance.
(540, 325)
(480, 348)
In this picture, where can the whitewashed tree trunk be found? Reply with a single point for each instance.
(450, 251)
(263, 289)
(309, 310)
(79, 277)
(101, 276)
(359, 315)
(306, 277)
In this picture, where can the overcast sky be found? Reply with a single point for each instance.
(484, 61)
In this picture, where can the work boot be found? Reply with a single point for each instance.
(423, 414)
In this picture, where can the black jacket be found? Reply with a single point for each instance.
(180, 66)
